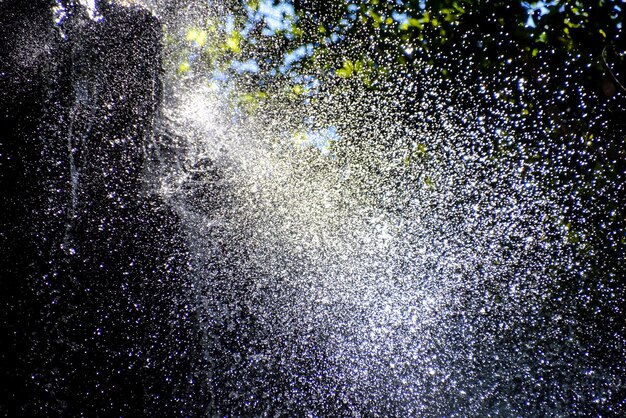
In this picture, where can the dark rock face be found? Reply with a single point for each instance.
(92, 269)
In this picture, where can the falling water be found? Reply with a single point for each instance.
(345, 260)
(343, 280)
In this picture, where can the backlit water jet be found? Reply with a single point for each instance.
(208, 252)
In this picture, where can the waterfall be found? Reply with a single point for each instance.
(191, 231)
(329, 287)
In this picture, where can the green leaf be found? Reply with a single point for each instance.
(297, 31)
(197, 36)
(233, 43)
(252, 101)
(375, 16)
(347, 70)
(543, 37)
(358, 66)
(415, 23)
(184, 68)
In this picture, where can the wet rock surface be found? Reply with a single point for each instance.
(92, 267)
